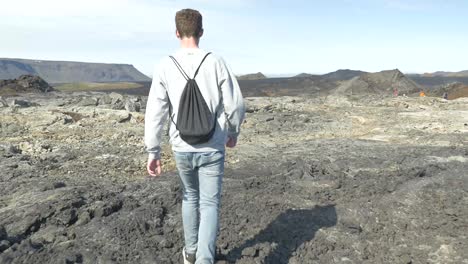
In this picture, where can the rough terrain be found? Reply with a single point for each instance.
(313, 180)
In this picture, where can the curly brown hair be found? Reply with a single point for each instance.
(189, 23)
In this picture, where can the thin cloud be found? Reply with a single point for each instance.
(409, 5)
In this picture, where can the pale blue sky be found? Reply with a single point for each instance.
(274, 37)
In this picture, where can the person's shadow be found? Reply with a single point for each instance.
(287, 232)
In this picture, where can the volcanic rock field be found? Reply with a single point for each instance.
(328, 179)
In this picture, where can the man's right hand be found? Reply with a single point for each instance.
(232, 142)
(154, 167)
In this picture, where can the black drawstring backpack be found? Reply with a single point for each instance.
(195, 122)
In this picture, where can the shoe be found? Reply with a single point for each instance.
(188, 258)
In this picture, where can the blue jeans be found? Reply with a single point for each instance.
(201, 174)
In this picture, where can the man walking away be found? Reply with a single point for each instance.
(190, 87)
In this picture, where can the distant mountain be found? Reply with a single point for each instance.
(304, 75)
(381, 83)
(252, 76)
(68, 71)
(343, 75)
(447, 74)
(432, 82)
(453, 90)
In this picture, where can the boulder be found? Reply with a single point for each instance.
(116, 98)
(3, 103)
(117, 101)
(105, 100)
(132, 106)
(19, 103)
(88, 101)
(3, 233)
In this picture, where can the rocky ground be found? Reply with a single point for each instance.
(313, 180)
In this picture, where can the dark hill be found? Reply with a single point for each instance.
(380, 83)
(68, 71)
(252, 76)
(304, 75)
(343, 75)
(24, 84)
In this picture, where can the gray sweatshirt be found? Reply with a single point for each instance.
(219, 88)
